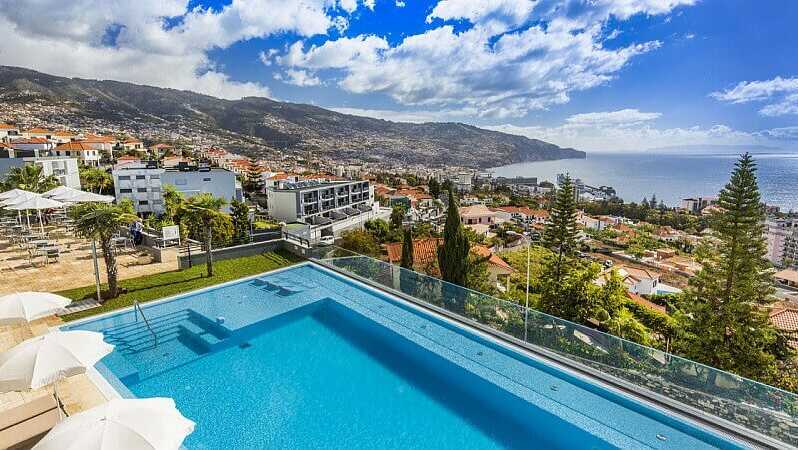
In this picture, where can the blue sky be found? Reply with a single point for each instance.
(597, 75)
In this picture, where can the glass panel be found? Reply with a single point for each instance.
(747, 403)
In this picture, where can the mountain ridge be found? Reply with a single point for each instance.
(257, 125)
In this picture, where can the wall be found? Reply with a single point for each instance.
(239, 251)
(219, 182)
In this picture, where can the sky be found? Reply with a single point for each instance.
(597, 75)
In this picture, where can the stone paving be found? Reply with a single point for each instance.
(77, 392)
(74, 268)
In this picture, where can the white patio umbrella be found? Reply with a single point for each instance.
(13, 193)
(44, 359)
(18, 196)
(60, 190)
(121, 424)
(28, 306)
(83, 197)
(38, 203)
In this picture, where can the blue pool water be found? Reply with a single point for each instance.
(304, 359)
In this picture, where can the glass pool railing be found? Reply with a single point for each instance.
(742, 403)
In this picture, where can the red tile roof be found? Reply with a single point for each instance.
(493, 259)
(38, 131)
(36, 140)
(73, 146)
(424, 250)
(647, 303)
(5, 126)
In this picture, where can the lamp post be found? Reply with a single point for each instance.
(528, 260)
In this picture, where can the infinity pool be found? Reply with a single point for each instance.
(305, 358)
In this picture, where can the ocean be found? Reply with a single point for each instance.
(669, 176)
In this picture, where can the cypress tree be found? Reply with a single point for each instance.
(728, 325)
(560, 232)
(453, 255)
(407, 250)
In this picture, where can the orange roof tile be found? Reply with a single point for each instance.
(493, 258)
(77, 145)
(5, 126)
(647, 303)
(35, 140)
(424, 250)
(38, 131)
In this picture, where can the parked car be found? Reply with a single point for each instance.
(327, 240)
(608, 263)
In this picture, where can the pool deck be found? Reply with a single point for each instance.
(78, 393)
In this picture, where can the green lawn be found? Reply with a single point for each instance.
(153, 287)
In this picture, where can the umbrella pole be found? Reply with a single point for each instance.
(27, 217)
(41, 226)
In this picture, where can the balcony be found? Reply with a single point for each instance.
(746, 410)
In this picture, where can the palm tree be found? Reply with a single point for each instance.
(101, 221)
(204, 208)
(95, 178)
(30, 177)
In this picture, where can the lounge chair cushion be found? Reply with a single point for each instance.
(27, 421)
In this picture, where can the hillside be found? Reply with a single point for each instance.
(253, 125)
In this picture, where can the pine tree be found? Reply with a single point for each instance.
(453, 255)
(560, 232)
(407, 250)
(434, 188)
(728, 326)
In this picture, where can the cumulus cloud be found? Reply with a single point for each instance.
(516, 56)
(780, 94)
(630, 129)
(298, 78)
(156, 42)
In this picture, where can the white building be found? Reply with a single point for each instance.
(143, 183)
(696, 204)
(8, 132)
(64, 169)
(782, 241)
(84, 152)
(35, 144)
(328, 207)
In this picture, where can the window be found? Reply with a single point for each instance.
(206, 179)
(125, 191)
(141, 177)
(144, 202)
(181, 181)
(142, 189)
(155, 177)
(124, 177)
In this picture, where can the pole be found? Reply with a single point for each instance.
(526, 310)
(96, 269)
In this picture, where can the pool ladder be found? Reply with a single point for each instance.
(137, 309)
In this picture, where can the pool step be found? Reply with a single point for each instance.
(194, 330)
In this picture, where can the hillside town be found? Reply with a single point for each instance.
(185, 199)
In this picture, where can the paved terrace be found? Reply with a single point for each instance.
(74, 268)
(77, 392)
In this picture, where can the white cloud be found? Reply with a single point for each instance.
(623, 117)
(266, 57)
(369, 4)
(496, 68)
(400, 4)
(416, 116)
(780, 94)
(299, 78)
(630, 129)
(131, 41)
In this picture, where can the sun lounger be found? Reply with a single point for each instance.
(23, 426)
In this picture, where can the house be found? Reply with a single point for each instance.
(32, 147)
(8, 132)
(594, 223)
(124, 160)
(37, 133)
(647, 303)
(83, 152)
(61, 137)
(102, 143)
(683, 264)
(477, 215)
(787, 277)
(638, 281)
(130, 144)
(524, 215)
(173, 161)
(425, 252)
(498, 268)
(785, 318)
